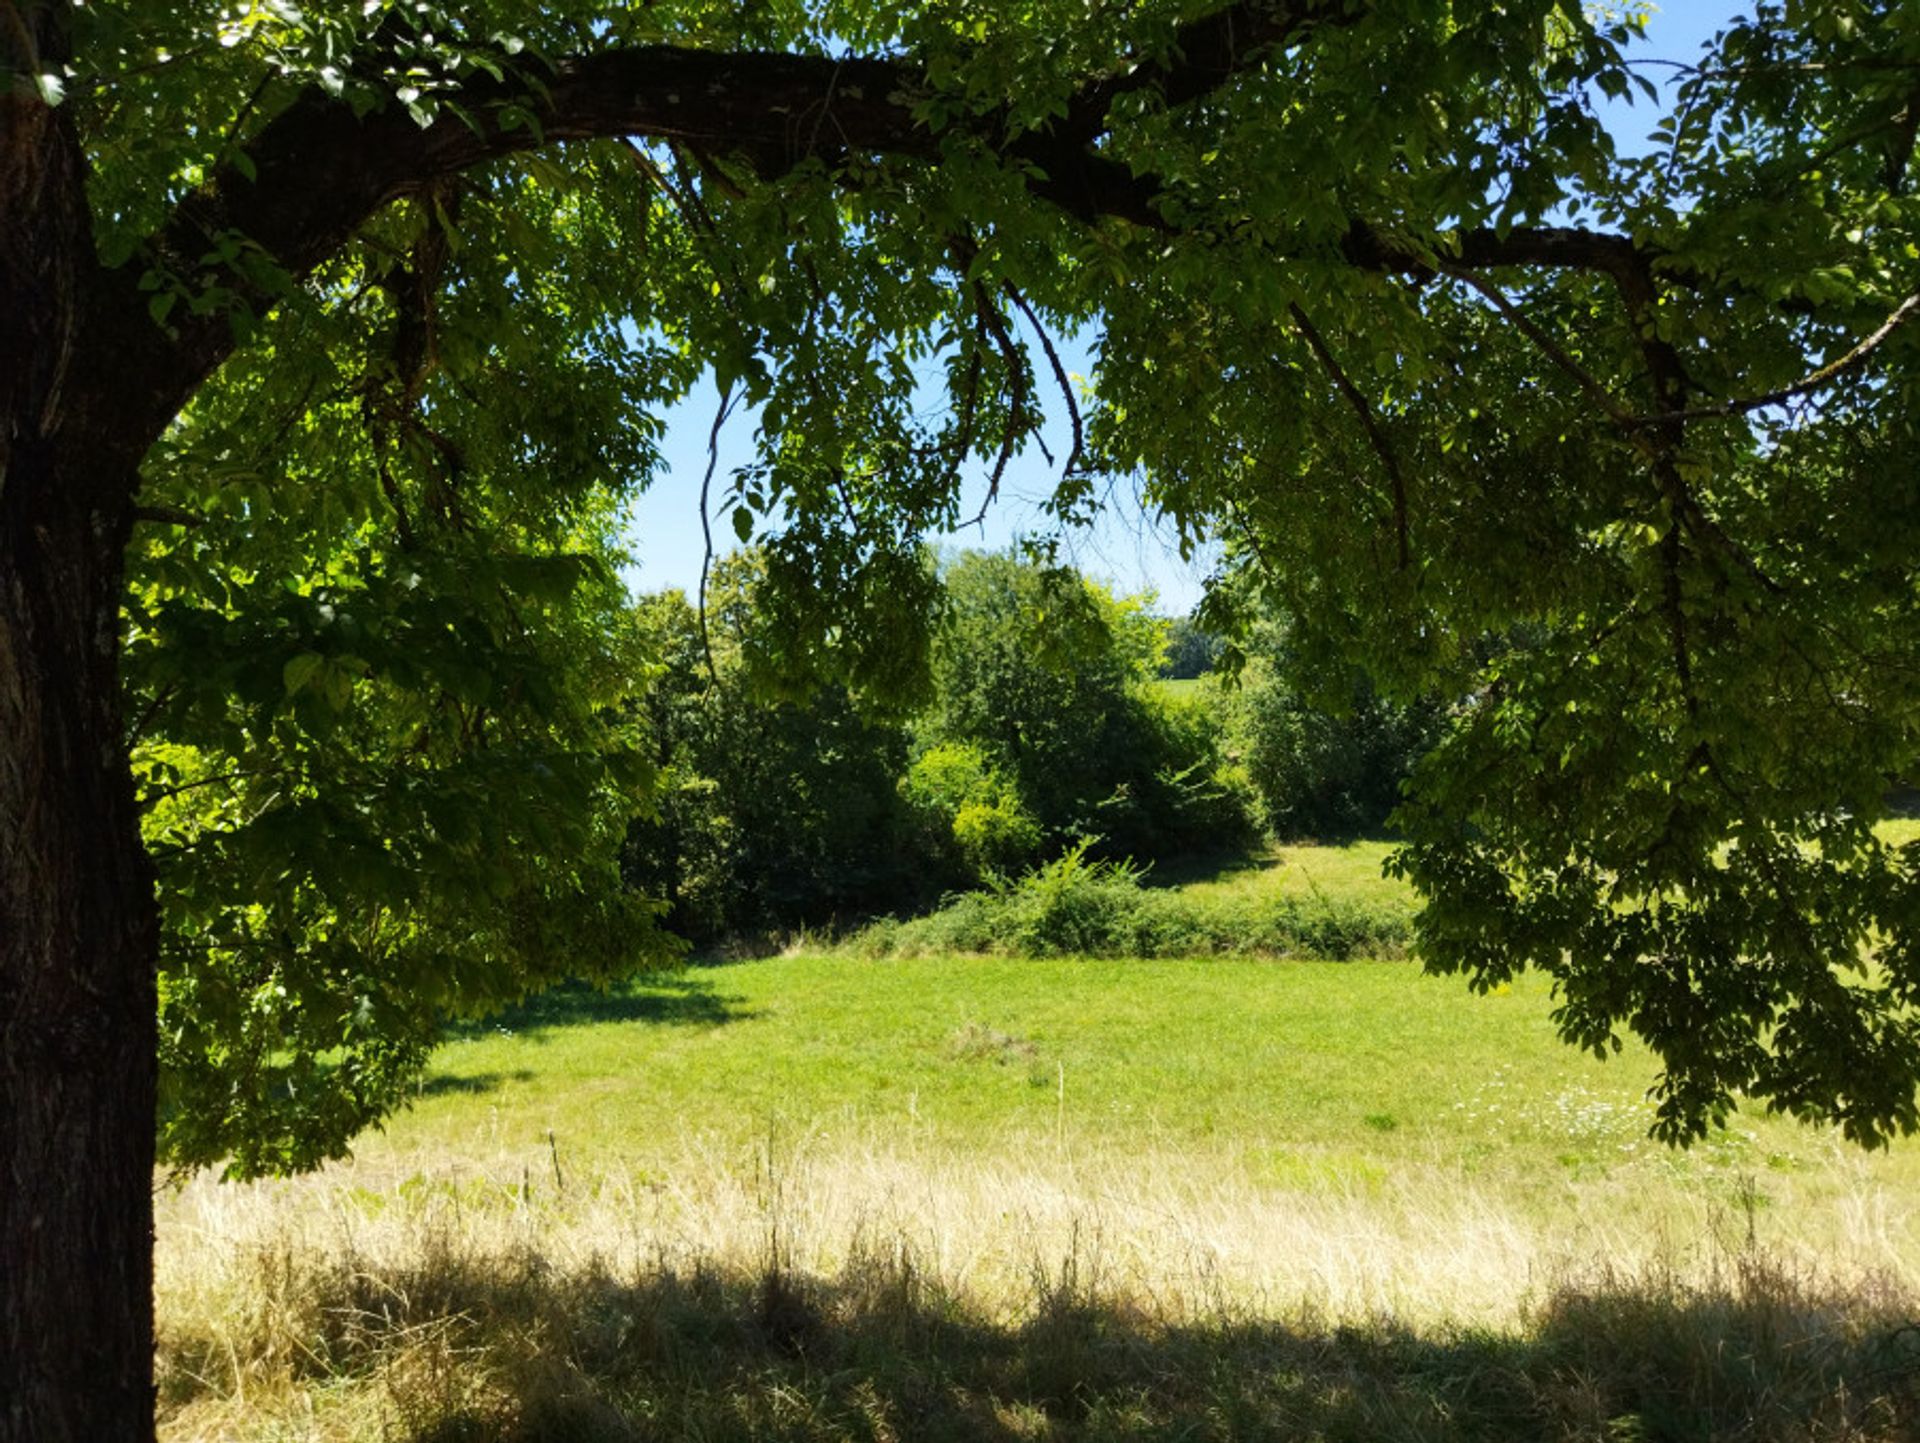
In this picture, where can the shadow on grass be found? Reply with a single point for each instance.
(447, 1084)
(683, 999)
(1209, 867)
(507, 1347)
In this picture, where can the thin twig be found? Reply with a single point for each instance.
(148, 713)
(1370, 423)
(150, 800)
(725, 408)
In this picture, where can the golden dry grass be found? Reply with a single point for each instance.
(385, 1298)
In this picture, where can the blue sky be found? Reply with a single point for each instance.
(1125, 547)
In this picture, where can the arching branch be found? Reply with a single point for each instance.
(295, 194)
(1369, 422)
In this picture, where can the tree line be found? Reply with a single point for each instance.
(1042, 727)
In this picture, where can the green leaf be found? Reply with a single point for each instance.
(300, 671)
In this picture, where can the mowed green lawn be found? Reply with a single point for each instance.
(1366, 1055)
(1364, 1064)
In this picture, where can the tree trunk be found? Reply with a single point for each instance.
(77, 1003)
(77, 924)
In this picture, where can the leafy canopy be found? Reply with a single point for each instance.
(1615, 451)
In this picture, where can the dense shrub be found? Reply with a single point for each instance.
(972, 809)
(1078, 905)
(1326, 768)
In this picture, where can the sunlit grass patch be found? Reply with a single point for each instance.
(583, 1318)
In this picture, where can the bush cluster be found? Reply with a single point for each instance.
(1082, 906)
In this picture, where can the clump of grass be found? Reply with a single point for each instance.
(1081, 907)
(977, 1042)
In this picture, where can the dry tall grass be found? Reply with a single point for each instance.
(813, 1287)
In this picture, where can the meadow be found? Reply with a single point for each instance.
(831, 1195)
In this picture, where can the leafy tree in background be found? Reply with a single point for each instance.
(772, 811)
(1048, 675)
(1328, 768)
(1373, 292)
(783, 804)
(1191, 650)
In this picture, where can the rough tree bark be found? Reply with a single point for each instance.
(77, 954)
(77, 930)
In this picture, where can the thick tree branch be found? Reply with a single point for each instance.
(301, 189)
(1205, 54)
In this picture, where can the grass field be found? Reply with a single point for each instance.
(825, 1196)
(1180, 687)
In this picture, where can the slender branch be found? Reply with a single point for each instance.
(1061, 379)
(1796, 67)
(1807, 384)
(150, 800)
(1549, 347)
(725, 409)
(1657, 438)
(153, 67)
(1369, 423)
(969, 401)
(1906, 133)
(155, 705)
(996, 326)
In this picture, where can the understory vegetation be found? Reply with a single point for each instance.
(1077, 906)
